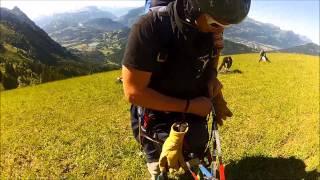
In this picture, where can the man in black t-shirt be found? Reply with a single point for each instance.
(169, 74)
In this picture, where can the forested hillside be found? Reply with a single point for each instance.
(29, 56)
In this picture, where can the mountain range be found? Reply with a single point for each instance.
(252, 33)
(93, 40)
(107, 36)
(263, 35)
(73, 17)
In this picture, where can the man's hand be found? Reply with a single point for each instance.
(214, 87)
(221, 109)
(219, 104)
(200, 106)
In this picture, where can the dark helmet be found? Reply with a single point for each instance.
(223, 11)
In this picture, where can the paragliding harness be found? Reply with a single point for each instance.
(216, 166)
(213, 154)
(144, 118)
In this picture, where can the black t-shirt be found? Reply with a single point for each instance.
(178, 65)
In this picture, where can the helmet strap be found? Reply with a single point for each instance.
(179, 19)
(191, 10)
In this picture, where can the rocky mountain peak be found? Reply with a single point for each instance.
(23, 17)
(16, 10)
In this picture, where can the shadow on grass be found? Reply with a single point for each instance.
(266, 168)
(236, 71)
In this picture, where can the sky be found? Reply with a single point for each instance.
(300, 16)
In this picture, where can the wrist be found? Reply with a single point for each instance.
(186, 108)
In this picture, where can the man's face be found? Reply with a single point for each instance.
(205, 23)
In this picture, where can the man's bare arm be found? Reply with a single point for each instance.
(136, 91)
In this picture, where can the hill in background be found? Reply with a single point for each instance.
(310, 48)
(132, 16)
(231, 48)
(72, 17)
(29, 56)
(19, 31)
(249, 36)
(103, 35)
(250, 32)
(260, 35)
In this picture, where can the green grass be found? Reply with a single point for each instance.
(276, 110)
(80, 127)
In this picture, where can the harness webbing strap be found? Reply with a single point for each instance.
(143, 123)
(158, 141)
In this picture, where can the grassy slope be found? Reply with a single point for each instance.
(80, 127)
(276, 113)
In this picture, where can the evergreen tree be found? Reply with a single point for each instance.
(9, 82)
(9, 70)
(9, 79)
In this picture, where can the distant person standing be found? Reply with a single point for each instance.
(263, 56)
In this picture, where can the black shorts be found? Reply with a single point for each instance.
(195, 140)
